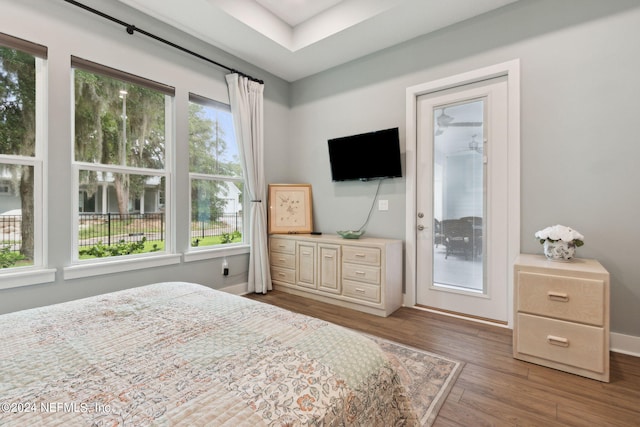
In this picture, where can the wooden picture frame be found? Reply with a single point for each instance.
(290, 209)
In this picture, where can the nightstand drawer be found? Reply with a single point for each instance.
(562, 297)
(361, 273)
(283, 275)
(283, 245)
(571, 344)
(361, 291)
(355, 254)
(283, 260)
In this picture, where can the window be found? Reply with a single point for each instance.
(121, 143)
(215, 175)
(21, 153)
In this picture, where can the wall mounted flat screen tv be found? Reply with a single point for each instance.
(366, 156)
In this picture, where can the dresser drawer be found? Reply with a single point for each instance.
(283, 275)
(361, 291)
(283, 260)
(361, 273)
(355, 254)
(283, 245)
(568, 298)
(563, 342)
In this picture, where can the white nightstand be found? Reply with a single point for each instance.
(561, 315)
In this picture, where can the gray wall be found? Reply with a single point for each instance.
(67, 30)
(579, 107)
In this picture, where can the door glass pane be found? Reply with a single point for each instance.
(459, 196)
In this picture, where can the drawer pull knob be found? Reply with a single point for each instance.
(329, 256)
(360, 273)
(562, 342)
(360, 290)
(558, 296)
(360, 255)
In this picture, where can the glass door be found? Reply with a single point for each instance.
(461, 201)
(459, 195)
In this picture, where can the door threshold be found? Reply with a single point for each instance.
(463, 316)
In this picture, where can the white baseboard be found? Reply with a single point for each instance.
(625, 344)
(239, 289)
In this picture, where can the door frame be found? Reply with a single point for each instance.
(510, 69)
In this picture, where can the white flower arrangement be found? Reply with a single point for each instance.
(560, 232)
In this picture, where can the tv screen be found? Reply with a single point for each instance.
(366, 156)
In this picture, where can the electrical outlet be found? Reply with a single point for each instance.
(225, 267)
(383, 205)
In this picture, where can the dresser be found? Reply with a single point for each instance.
(561, 315)
(363, 274)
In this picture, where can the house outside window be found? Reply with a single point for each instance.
(22, 79)
(215, 174)
(121, 144)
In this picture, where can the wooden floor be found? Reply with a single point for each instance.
(494, 389)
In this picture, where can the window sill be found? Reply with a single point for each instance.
(16, 279)
(216, 252)
(92, 268)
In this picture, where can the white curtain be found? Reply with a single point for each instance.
(246, 98)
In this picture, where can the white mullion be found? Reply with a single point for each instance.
(169, 174)
(208, 177)
(11, 159)
(40, 170)
(75, 185)
(99, 167)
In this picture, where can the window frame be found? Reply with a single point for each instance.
(37, 273)
(107, 265)
(197, 253)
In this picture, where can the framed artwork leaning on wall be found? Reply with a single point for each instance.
(290, 208)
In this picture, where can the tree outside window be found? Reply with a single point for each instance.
(120, 157)
(215, 174)
(18, 161)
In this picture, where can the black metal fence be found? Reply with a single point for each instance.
(112, 228)
(11, 232)
(227, 223)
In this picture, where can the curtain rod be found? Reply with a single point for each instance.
(132, 28)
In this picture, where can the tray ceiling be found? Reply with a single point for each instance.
(293, 39)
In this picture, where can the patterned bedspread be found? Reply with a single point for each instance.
(183, 354)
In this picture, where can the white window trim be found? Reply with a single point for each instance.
(37, 273)
(218, 251)
(17, 277)
(119, 264)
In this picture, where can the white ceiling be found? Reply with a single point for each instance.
(293, 39)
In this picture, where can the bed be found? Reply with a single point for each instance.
(180, 353)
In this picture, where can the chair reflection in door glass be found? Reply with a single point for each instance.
(476, 224)
(462, 235)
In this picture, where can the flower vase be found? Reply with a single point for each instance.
(559, 250)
